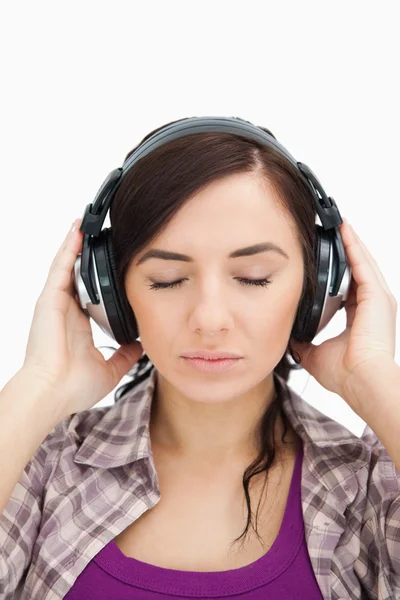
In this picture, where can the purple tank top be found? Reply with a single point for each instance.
(284, 572)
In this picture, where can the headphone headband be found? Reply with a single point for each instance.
(193, 125)
(325, 206)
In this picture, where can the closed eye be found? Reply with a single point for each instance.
(254, 282)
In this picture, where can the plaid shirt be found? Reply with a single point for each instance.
(94, 475)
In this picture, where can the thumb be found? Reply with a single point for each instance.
(123, 360)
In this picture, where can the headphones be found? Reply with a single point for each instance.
(95, 273)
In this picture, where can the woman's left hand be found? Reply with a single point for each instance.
(370, 335)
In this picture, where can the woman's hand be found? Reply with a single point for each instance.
(370, 336)
(60, 355)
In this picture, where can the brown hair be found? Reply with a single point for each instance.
(154, 190)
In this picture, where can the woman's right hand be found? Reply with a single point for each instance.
(60, 355)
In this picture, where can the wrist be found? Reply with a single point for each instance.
(37, 395)
(363, 388)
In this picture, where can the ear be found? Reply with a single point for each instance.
(293, 348)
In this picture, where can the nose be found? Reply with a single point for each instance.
(212, 312)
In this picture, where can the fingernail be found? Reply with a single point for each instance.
(75, 225)
(347, 223)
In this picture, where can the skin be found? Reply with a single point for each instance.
(197, 416)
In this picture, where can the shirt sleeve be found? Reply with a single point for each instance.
(381, 526)
(21, 517)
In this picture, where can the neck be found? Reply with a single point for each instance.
(199, 431)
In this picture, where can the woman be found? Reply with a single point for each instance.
(153, 496)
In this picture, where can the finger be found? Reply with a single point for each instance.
(372, 261)
(351, 304)
(374, 264)
(355, 239)
(61, 269)
(362, 262)
(66, 242)
(123, 360)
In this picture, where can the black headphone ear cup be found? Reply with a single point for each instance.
(121, 315)
(302, 319)
(301, 330)
(313, 314)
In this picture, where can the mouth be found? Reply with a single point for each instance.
(211, 354)
(212, 365)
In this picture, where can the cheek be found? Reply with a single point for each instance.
(272, 334)
(272, 325)
(278, 310)
(156, 329)
(275, 324)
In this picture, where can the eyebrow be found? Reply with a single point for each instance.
(248, 251)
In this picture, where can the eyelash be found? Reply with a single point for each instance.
(252, 282)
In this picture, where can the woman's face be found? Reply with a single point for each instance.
(211, 308)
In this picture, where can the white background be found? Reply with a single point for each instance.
(83, 82)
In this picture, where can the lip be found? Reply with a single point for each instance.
(210, 354)
(212, 365)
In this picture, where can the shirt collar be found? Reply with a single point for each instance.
(119, 434)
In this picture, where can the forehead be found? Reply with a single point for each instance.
(239, 209)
